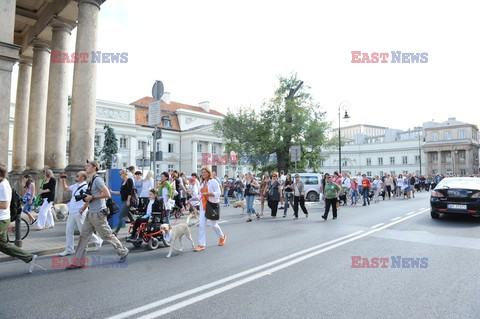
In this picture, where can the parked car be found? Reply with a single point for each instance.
(312, 182)
(456, 195)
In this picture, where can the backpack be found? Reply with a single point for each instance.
(112, 208)
(15, 205)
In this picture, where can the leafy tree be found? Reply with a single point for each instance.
(110, 146)
(97, 152)
(290, 118)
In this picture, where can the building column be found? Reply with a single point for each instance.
(9, 55)
(209, 151)
(194, 156)
(439, 156)
(221, 168)
(57, 105)
(20, 127)
(37, 113)
(83, 111)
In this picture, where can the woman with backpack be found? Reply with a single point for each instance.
(47, 193)
(126, 193)
(29, 197)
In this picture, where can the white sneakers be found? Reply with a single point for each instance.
(66, 253)
(33, 264)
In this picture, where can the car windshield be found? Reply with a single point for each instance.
(465, 183)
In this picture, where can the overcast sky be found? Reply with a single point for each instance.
(231, 53)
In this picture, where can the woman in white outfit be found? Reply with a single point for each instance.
(47, 193)
(209, 191)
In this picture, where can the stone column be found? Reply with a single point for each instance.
(57, 105)
(20, 128)
(194, 157)
(83, 111)
(439, 156)
(37, 113)
(209, 151)
(9, 55)
(221, 168)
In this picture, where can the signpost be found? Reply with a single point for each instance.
(295, 155)
(154, 118)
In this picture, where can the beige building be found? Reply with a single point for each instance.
(451, 147)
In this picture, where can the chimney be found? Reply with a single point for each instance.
(452, 118)
(166, 97)
(205, 105)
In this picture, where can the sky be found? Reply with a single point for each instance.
(231, 53)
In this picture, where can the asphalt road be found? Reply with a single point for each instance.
(274, 268)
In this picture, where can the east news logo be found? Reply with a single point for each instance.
(397, 262)
(383, 57)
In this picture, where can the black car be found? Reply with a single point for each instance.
(456, 195)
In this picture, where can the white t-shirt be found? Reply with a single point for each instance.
(377, 184)
(195, 193)
(5, 196)
(399, 182)
(74, 206)
(346, 182)
(146, 187)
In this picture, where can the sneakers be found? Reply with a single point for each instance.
(123, 258)
(33, 264)
(66, 253)
(199, 248)
(324, 217)
(221, 242)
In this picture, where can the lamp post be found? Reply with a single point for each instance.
(343, 106)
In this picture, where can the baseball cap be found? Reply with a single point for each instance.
(95, 164)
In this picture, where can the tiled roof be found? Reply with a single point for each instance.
(174, 106)
(141, 118)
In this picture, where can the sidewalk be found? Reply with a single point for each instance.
(51, 241)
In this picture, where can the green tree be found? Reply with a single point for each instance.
(110, 147)
(290, 118)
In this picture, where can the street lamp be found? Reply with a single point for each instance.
(343, 106)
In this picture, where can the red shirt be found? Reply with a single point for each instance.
(366, 183)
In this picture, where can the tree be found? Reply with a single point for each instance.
(110, 146)
(290, 118)
(97, 152)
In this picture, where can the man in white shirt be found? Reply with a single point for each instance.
(74, 217)
(5, 246)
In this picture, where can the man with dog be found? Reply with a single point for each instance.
(96, 219)
(74, 206)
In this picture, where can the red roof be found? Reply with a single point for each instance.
(174, 106)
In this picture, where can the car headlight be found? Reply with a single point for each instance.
(476, 195)
(436, 194)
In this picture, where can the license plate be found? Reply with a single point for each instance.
(455, 206)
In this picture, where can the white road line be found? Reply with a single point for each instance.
(267, 272)
(222, 221)
(394, 219)
(410, 213)
(377, 225)
(422, 208)
(225, 280)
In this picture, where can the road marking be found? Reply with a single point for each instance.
(377, 225)
(422, 208)
(225, 280)
(243, 281)
(410, 213)
(222, 221)
(394, 219)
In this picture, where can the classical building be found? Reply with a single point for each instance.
(451, 147)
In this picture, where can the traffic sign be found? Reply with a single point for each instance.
(157, 90)
(157, 134)
(159, 156)
(295, 153)
(154, 110)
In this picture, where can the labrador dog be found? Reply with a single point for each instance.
(59, 212)
(176, 233)
(242, 204)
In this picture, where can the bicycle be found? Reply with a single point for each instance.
(24, 230)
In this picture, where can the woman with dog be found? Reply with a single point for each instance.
(154, 205)
(45, 217)
(209, 191)
(251, 189)
(126, 192)
(274, 190)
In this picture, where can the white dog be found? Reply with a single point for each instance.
(177, 232)
(59, 212)
(242, 204)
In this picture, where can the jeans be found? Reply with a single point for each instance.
(288, 198)
(354, 196)
(225, 197)
(124, 212)
(366, 199)
(240, 196)
(250, 209)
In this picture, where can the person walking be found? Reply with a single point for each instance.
(353, 191)
(263, 191)
(377, 187)
(287, 193)
(251, 189)
(274, 191)
(209, 191)
(332, 191)
(226, 188)
(147, 185)
(165, 190)
(281, 179)
(74, 216)
(366, 185)
(388, 186)
(239, 188)
(96, 219)
(346, 183)
(5, 246)
(299, 197)
(126, 193)
(29, 197)
(45, 216)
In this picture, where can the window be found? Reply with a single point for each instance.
(380, 173)
(199, 148)
(448, 135)
(462, 156)
(369, 174)
(199, 169)
(124, 165)
(344, 163)
(369, 162)
(166, 122)
(434, 157)
(214, 149)
(434, 136)
(463, 171)
(158, 172)
(392, 160)
(170, 168)
(404, 160)
(309, 180)
(123, 142)
(405, 173)
(461, 134)
(170, 147)
(417, 159)
(141, 145)
(380, 161)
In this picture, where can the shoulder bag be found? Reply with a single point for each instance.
(213, 211)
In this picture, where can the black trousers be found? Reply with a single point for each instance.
(137, 224)
(330, 202)
(301, 200)
(273, 204)
(389, 190)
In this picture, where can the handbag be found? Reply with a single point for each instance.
(253, 191)
(213, 211)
